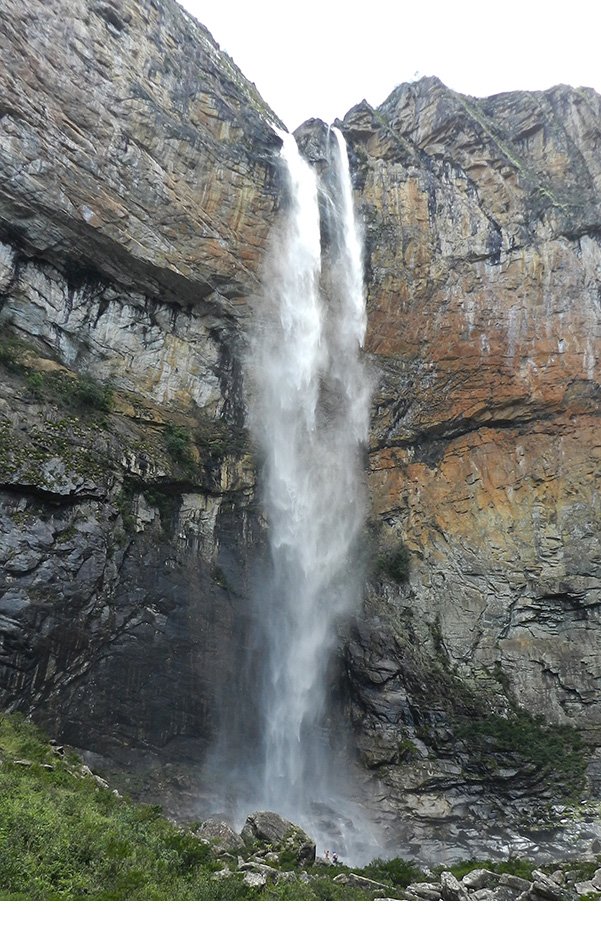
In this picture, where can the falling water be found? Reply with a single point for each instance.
(309, 415)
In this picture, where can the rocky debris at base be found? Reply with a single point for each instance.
(268, 841)
(481, 885)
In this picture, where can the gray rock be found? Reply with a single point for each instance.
(270, 873)
(546, 888)
(480, 879)
(426, 891)
(584, 887)
(451, 889)
(482, 895)
(526, 896)
(517, 884)
(596, 879)
(281, 834)
(266, 827)
(509, 894)
(254, 880)
(221, 834)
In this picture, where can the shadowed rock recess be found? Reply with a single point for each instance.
(138, 186)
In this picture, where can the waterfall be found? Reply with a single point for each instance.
(309, 411)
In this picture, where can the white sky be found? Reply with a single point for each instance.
(320, 57)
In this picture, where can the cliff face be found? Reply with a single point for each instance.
(137, 190)
(136, 193)
(483, 239)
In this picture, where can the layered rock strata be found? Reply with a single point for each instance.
(137, 190)
(483, 246)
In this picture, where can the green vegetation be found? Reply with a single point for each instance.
(396, 872)
(209, 439)
(78, 393)
(557, 752)
(394, 563)
(178, 445)
(125, 505)
(166, 503)
(11, 351)
(216, 439)
(25, 453)
(517, 867)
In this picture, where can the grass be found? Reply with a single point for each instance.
(65, 837)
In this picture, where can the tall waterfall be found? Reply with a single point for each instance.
(309, 415)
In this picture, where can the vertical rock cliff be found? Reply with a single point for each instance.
(136, 193)
(484, 250)
(137, 189)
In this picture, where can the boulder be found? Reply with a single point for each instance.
(451, 889)
(265, 827)
(482, 896)
(584, 887)
(281, 834)
(517, 884)
(220, 834)
(254, 880)
(270, 873)
(426, 891)
(547, 888)
(480, 879)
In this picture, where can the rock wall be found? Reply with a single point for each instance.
(483, 225)
(137, 189)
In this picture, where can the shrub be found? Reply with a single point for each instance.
(78, 393)
(558, 751)
(396, 871)
(177, 444)
(10, 352)
(394, 563)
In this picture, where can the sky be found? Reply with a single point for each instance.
(320, 57)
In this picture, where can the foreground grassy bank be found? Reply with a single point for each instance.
(64, 835)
